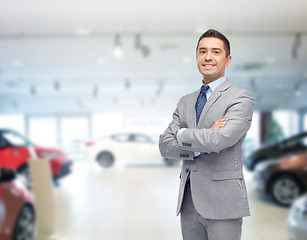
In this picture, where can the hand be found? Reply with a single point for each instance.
(219, 124)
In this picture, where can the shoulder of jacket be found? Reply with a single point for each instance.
(239, 91)
(188, 96)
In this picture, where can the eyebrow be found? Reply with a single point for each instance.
(202, 48)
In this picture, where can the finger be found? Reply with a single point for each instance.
(220, 121)
(220, 124)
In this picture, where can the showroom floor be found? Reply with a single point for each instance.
(139, 202)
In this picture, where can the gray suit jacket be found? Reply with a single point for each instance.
(217, 183)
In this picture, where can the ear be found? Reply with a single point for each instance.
(228, 59)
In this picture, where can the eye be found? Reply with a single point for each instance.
(216, 52)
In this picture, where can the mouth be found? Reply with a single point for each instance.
(208, 65)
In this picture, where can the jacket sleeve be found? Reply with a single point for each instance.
(168, 144)
(238, 117)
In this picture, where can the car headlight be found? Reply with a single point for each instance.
(265, 164)
(49, 155)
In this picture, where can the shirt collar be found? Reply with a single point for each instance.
(213, 85)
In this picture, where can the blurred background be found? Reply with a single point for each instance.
(91, 85)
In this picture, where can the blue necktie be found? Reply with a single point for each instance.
(201, 101)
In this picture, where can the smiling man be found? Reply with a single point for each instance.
(207, 133)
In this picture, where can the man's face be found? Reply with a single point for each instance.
(211, 59)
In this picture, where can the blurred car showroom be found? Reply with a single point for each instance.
(87, 87)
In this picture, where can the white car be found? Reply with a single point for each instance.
(297, 219)
(125, 148)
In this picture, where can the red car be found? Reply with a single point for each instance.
(17, 209)
(14, 153)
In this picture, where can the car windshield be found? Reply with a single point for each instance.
(296, 141)
(121, 137)
(141, 138)
(16, 139)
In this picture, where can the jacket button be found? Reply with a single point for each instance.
(187, 170)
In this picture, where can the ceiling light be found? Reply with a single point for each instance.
(118, 51)
(145, 50)
(138, 44)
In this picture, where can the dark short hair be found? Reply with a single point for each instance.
(211, 33)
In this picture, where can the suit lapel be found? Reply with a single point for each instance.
(212, 99)
(192, 109)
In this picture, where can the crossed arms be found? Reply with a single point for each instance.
(238, 117)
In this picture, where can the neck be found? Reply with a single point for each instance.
(206, 81)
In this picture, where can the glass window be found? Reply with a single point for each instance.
(106, 124)
(252, 140)
(43, 131)
(15, 122)
(15, 139)
(74, 132)
(288, 121)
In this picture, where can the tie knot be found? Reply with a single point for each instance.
(204, 88)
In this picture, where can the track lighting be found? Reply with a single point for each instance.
(95, 91)
(296, 46)
(32, 91)
(127, 84)
(138, 45)
(118, 51)
(56, 86)
(297, 89)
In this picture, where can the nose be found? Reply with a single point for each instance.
(208, 56)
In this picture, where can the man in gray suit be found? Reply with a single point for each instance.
(207, 132)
